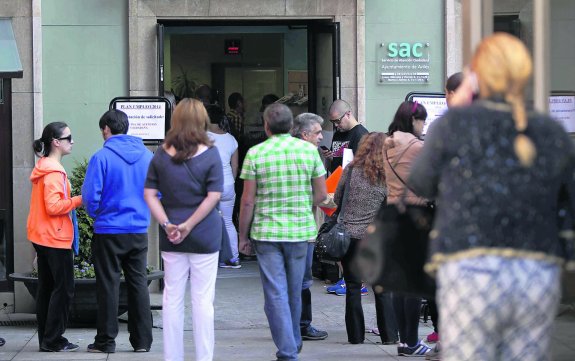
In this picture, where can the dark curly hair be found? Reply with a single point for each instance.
(370, 157)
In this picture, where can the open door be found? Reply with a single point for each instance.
(324, 66)
(160, 35)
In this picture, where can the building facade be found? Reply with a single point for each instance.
(77, 55)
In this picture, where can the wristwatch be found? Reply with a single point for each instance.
(165, 224)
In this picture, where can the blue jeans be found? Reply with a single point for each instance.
(306, 315)
(307, 276)
(282, 266)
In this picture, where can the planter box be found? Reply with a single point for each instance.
(84, 308)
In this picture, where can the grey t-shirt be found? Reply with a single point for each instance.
(181, 196)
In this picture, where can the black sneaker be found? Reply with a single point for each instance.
(232, 263)
(311, 333)
(94, 349)
(69, 347)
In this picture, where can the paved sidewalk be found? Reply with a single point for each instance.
(242, 333)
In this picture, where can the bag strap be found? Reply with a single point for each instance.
(345, 194)
(393, 169)
(192, 176)
(430, 204)
(197, 182)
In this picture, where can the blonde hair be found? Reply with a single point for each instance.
(188, 129)
(503, 67)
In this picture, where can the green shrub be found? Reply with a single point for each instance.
(83, 265)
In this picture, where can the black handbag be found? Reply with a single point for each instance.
(395, 247)
(394, 250)
(332, 241)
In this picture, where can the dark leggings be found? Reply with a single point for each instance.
(407, 310)
(433, 314)
(354, 319)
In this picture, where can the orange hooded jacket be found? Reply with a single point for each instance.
(49, 222)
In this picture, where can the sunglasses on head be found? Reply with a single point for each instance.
(68, 138)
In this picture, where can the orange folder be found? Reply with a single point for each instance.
(332, 181)
(331, 185)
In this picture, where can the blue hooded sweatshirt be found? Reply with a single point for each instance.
(113, 190)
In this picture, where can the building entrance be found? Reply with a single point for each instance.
(298, 61)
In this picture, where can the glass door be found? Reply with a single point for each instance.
(324, 66)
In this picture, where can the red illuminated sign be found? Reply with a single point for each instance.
(232, 47)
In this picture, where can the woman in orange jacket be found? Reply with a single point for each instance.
(51, 231)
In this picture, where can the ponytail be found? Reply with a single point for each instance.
(523, 146)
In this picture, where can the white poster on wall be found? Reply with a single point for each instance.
(435, 106)
(562, 108)
(147, 119)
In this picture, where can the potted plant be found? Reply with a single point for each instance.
(184, 85)
(84, 307)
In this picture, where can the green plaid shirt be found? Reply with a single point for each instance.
(283, 168)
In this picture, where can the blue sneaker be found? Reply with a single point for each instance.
(341, 291)
(333, 288)
(419, 350)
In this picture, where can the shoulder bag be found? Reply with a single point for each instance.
(333, 240)
(395, 246)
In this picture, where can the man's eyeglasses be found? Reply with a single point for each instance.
(338, 120)
(68, 138)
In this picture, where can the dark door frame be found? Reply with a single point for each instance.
(312, 25)
(6, 183)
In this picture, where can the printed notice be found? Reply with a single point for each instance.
(147, 119)
(435, 106)
(562, 108)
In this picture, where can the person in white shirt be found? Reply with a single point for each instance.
(228, 149)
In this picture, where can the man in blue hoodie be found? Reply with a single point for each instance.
(114, 189)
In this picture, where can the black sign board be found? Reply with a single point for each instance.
(149, 117)
(434, 103)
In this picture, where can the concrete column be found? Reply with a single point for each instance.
(453, 37)
(477, 22)
(541, 55)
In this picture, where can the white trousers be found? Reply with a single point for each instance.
(201, 269)
(227, 208)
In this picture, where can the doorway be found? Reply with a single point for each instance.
(6, 201)
(297, 60)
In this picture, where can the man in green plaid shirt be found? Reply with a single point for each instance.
(283, 179)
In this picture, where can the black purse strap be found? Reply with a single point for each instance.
(393, 169)
(192, 176)
(430, 204)
(197, 182)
